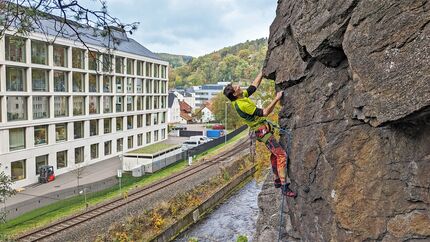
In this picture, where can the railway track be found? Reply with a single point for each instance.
(92, 213)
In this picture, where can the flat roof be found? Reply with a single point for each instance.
(153, 149)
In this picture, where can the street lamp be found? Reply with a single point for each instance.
(225, 135)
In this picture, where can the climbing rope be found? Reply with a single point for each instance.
(281, 222)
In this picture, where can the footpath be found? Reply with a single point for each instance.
(95, 177)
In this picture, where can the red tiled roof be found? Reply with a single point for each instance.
(185, 107)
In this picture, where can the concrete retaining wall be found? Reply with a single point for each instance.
(15, 210)
(171, 232)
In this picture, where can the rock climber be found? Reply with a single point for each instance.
(255, 118)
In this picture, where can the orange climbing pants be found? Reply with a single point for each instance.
(278, 156)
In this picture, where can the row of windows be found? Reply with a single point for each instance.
(18, 168)
(17, 105)
(16, 81)
(15, 50)
(17, 136)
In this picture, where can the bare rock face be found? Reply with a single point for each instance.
(357, 74)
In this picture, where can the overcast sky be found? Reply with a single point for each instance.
(195, 27)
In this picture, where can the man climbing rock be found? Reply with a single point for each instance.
(255, 118)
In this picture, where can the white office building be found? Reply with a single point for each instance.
(206, 92)
(66, 106)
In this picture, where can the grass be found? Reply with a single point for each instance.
(58, 210)
(152, 149)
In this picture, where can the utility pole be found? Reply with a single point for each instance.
(225, 135)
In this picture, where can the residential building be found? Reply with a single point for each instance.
(174, 114)
(67, 106)
(206, 92)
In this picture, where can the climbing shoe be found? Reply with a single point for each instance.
(286, 191)
(277, 183)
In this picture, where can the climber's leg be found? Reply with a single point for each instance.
(277, 181)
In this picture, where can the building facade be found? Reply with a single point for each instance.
(206, 92)
(64, 105)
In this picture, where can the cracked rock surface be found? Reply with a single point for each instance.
(358, 82)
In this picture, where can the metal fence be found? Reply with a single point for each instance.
(155, 166)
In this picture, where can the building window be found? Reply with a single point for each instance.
(148, 137)
(119, 65)
(18, 170)
(93, 59)
(156, 102)
(60, 81)
(107, 84)
(156, 86)
(107, 125)
(130, 85)
(148, 103)
(163, 72)
(148, 69)
(15, 48)
(130, 66)
(130, 142)
(94, 151)
(41, 161)
(139, 70)
(119, 104)
(107, 63)
(16, 139)
(107, 104)
(155, 135)
(61, 132)
(16, 108)
(39, 52)
(108, 147)
(78, 82)
(40, 80)
(119, 84)
(163, 117)
(94, 127)
(16, 79)
(130, 122)
(139, 121)
(139, 85)
(93, 83)
(148, 86)
(163, 102)
(61, 106)
(163, 134)
(163, 87)
(139, 103)
(41, 135)
(40, 107)
(79, 155)
(78, 105)
(156, 70)
(78, 56)
(78, 129)
(130, 103)
(119, 145)
(94, 105)
(62, 159)
(155, 116)
(119, 124)
(148, 119)
(60, 55)
(139, 139)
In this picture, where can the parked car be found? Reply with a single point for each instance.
(201, 138)
(218, 126)
(190, 144)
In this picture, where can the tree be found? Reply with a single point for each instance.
(6, 191)
(219, 106)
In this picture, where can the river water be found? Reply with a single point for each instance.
(236, 216)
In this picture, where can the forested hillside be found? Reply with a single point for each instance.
(175, 60)
(240, 62)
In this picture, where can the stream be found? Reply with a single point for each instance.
(236, 216)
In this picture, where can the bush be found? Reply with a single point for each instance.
(242, 238)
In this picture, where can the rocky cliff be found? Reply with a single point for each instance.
(357, 74)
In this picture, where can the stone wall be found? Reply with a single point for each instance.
(358, 82)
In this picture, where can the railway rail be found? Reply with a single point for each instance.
(94, 212)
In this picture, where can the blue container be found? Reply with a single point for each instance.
(213, 134)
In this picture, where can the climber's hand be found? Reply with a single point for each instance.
(279, 95)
